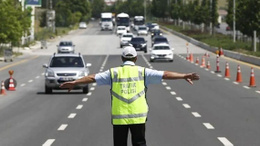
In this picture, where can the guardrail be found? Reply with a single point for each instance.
(238, 56)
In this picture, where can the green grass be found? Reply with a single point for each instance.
(217, 40)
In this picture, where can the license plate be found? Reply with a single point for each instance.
(66, 79)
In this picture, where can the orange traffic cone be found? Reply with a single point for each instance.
(3, 88)
(191, 58)
(203, 63)
(208, 65)
(227, 73)
(206, 54)
(197, 60)
(221, 52)
(239, 75)
(252, 78)
(11, 85)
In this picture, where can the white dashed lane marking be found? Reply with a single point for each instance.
(49, 142)
(225, 141)
(186, 105)
(72, 115)
(89, 94)
(79, 106)
(92, 88)
(23, 85)
(168, 88)
(62, 127)
(84, 99)
(30, 81)
(173, 93)
(195, 114)
(208, 126)
(179, 98)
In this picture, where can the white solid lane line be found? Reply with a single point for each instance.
(72, 115)
(62, 127)
(225, 141)
(49, 142)
(208, 126)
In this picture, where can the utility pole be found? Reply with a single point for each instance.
(234, 20)
(145, 10)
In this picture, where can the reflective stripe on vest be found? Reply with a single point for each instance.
(129, 104)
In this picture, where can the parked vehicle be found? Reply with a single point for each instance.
(82, 25)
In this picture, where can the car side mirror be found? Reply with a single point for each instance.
(172, 49)
(45, 66)
(150, 49)
(88, 65)
(57, 45)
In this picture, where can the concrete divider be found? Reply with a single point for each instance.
(238, 56)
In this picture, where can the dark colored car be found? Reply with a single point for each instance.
(159, 39)
(155, 32)
(139, 43)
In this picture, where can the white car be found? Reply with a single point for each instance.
(121, 30)
(125, 38)
(66, 47)
(162, 51)
(82, 25)
(142, 30)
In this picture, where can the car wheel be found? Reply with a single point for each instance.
(151, 60)
(145, 50)
(85, 89)
(171, 60)
(121, 46)
(48, 90)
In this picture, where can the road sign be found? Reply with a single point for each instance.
(33, 3)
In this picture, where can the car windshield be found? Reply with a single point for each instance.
(66, 62)
(127, 36)
(161, 48)
(142, 28)
(65, 43)
(120, 28)
(137, 40)
(160, 40)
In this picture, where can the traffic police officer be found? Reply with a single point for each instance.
(128, 90)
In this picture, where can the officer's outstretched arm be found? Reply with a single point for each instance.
(85, 80)
(189, 77)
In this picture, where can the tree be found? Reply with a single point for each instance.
(248, 17)
(67, 9)
(97, 8)
(14, 22)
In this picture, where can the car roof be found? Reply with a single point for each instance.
(121, 26)
(138, 37)
(159, 36)
(161, 44)
(127, 34)
(67, 55)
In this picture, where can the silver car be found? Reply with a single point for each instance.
(63, 68)
(66, 47)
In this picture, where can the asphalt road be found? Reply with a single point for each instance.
(213, 112)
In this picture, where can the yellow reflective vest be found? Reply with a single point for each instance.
(129, 105)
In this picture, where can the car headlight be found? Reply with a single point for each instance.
(143, 45)
(82, 73)
(49, 73)
(170, 54)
